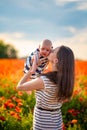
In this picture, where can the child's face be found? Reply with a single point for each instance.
(45, 50)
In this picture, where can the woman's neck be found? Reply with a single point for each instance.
(54, 67)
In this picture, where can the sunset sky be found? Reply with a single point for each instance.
(25, 23)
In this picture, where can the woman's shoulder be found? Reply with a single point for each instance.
(47, 81)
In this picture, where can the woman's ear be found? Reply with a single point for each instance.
(55, 60)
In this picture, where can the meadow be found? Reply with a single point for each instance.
(16, 108)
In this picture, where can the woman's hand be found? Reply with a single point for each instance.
(41, 61)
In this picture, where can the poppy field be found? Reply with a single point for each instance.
(16, 108)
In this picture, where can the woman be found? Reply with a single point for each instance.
(52, 89)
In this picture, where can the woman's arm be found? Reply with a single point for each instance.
(25, 84)
(34, 65)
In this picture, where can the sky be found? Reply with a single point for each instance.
(26, 23)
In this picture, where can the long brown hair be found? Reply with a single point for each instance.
(64, 77)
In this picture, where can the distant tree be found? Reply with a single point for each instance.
(7, 50)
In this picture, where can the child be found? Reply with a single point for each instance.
(38, 61)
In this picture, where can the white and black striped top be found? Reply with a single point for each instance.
(45, 118)
(29, 62)
(47, 98)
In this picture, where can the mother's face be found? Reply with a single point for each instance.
(53, 55)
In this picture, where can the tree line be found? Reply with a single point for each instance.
(7, 50)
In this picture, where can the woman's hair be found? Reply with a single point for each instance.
(64, 77)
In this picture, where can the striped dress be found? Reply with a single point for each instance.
(47, 111)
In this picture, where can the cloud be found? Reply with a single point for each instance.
(20, 43)
(79, 4)
(71, 29)
(4, 19)
(21, 3)
(80, 50)
(30, 4)
(63, 2)
(79, 37)
(77, 42)
(82, 5)
(14, 35)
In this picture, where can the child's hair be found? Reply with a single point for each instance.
(46, 42)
